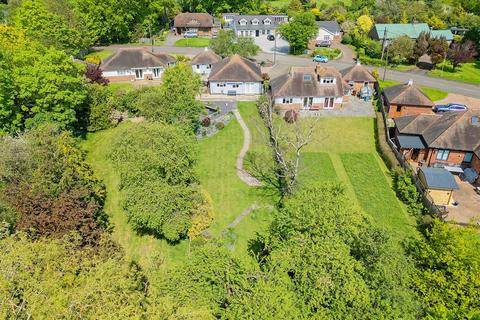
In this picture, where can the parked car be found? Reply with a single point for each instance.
(323, 43)
(270, 37)
(320, 58)
(190, 34)
(450, 107)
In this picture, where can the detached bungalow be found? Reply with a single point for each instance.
(202, 23)
(359, 80)
(406, 99)
(451, 140)
(136, 64)
(235, 75)
(308, 88)
(203, 62)
(412, 30)
(329, 30)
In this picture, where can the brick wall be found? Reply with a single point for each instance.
(121, 78)
(454, 157)
(407, 110)
(476, 163)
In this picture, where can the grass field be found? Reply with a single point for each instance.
(193, 42)
(432, 93)
(121, 86)
(102, 54)
(468, 72)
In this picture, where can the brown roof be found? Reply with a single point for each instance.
(407, 94)
(357, 73)
(206, 57)
(199, 20)
(125, 59)
(452, 130)
(294, 84)
(236, 68)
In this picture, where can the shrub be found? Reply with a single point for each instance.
(219, 125)
(206, 122)
(101, 102)
(93, 60)
(330, 53)
(407, 191)
(347, 39)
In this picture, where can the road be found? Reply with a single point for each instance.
(284, 62)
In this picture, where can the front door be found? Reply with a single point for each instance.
(328, 103)
(138, 73)
(257, 33)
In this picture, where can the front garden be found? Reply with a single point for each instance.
(193, 42)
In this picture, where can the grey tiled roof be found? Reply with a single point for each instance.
(407, 94)
(235, 24)
(331, 26)
(206, 57)
(125, 59)
(236, 68)
(438, 178)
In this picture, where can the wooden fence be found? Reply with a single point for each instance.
(426, 198)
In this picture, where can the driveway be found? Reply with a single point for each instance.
(472, 103)
(467, 211)
(282, 46)
(348, 54)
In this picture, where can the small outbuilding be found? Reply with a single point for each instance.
(439, 184)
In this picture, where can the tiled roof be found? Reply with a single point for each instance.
(357, 73)
(407, 94)
(447, 34)
(330, 26)
(438, 178)
(452, 130)
(395, 30)
(236, 68)
(294, 83)
(206, 57)
(125, 59)
(199, 20)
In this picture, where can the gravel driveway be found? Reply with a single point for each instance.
(470, 102)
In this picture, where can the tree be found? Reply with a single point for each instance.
(94, 74)
(286, 147)
(437, 50)
(227, 43)
(42, 278)
(364, 24)
(459, 53)
(295, 6)
(175, 101)
(474, 36)
(448, 274)
(299, 31)
(47, 182)
(101, 104)
(421, 45)
(400, 49)
(158, 179)
(436, 23)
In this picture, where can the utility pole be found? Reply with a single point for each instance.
(275, 48)
(383, 42)
(385, 67)
(150, 31)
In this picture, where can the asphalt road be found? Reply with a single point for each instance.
(283, 62)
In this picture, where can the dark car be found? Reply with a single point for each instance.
(323, 43)
(450, 107)
(270, 37)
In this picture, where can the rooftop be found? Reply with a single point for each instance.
(438, 178)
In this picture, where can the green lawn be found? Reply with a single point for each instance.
(121, 86)
(102, 54)
(193, 42)
(468, 72)
(432, 93)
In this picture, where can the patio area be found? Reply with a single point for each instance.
(355, 107)
(468, 209)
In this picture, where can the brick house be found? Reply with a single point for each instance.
(202, 23)
(308, 88)
(235, 75)
(357, 78)
(406, 99)
(450, 140)
(136, 64)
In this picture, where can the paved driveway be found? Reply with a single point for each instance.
(470, 102)
(467, 210)
(269, 46)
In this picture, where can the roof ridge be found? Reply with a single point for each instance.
(448, 128)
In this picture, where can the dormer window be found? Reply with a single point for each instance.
(243, 22)
(267, 21)
(327, 80)
(255, 22)
(307, 77)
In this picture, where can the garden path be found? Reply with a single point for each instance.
(247, 139)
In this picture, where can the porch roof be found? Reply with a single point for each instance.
(411, 142)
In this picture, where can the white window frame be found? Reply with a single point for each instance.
(328, 80)
(243, 22)
(141, 71)
(443, 154)
(309, 76)
(287, 100)
(122, 72)
(255, 22)
(267, 22)
(157, 72)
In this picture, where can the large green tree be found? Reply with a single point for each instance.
(227, 43)
(299, 31)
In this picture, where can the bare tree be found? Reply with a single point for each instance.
(286, 144)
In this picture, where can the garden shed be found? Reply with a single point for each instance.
(439, 184)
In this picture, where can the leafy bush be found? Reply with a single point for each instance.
(347, 39)
(330, 53)
(101, 102)
(219, 125)
(407, 192)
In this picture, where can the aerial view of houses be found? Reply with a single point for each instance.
(273, 159)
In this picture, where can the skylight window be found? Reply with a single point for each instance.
(307, 77)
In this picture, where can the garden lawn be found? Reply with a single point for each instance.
(193, 42)
(102, 54)
(432, 93)
(467, 72)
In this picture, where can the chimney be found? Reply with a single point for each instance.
(410, 82)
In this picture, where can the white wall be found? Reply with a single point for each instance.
(299, 100)
(322, 33)
(243, 87)
(203, 69)
(131, 72)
